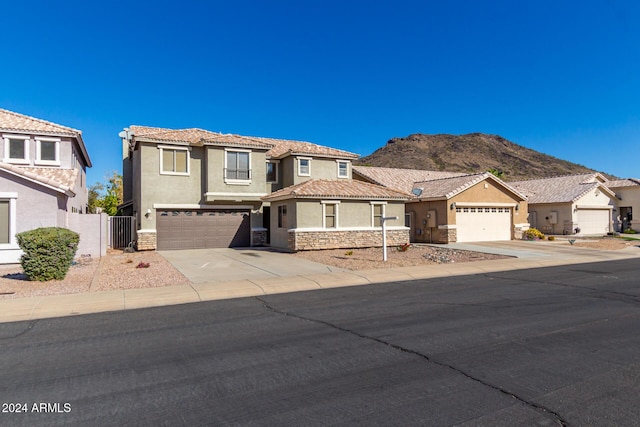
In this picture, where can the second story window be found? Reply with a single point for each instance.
(174, 161)
(304, 166)
(272, 172)
(237, 166)
(343, 169)
(47, 151)
(16, 149)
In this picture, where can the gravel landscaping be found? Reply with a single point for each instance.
(119, 270)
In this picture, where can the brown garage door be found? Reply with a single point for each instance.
(200, 229)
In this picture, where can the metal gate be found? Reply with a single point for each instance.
(122, 231)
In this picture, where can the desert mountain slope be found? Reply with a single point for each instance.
(474, 152)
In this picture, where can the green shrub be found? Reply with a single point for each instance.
(48, 252)
(532, 234)
(629, 231)
(551, 238)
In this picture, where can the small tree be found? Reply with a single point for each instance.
(496, 172)
(107, 201)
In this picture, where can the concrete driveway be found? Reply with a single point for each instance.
(229, 264)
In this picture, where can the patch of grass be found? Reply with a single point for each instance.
(628, 239)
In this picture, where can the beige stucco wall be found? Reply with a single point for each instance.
(307, 216)
(542, 214)
(215, 181)
(321, 168)
(629, 197)
(566, 212)
(157, 188)
(485, 193)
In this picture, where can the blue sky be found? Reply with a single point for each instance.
(562, 77)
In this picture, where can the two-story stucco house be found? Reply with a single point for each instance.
(192, 188)
(42, 177)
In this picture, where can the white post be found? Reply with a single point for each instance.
(384, 235)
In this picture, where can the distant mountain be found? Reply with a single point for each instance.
(474, 152)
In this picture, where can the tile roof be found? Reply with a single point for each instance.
(560, 189)
(620, 183)
(277, 148)
(62, 180)
(194, 136)
(10, 121)
(400, 179)
(446, 188)
(21, 123)
(332, 189)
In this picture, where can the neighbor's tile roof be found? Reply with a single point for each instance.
(332, 189)
(10, 121)
(63, 180)
(560, 189)
(400, 179)
(619, 183)
(21, 123)
(277, 148)
(449, 187)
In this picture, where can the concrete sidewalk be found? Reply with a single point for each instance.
(529, 255)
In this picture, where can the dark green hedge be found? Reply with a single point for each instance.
(48, 252)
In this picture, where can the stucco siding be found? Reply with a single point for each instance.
(215, 173)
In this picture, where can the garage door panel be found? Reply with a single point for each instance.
(593, 221)
(194, 229)
(483, 224)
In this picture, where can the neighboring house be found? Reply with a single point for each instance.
(326, 214)
(628, 192)
(192, 188)
(42, 177)
(573, 204)
(449, 207)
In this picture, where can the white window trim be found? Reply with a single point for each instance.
(277, 164)
(26, 140)
(324, 213)
(13, 242)
(338, 162)
(298, 161)
(39, 161)
(161, 149)
(373, 218)
(224, 172)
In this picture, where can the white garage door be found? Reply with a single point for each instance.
(593, 221)
(483, 224)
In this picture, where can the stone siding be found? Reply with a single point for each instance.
(258, 237)
(147, 241)
(344, 239)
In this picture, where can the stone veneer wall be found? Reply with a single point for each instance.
(146, 241)
(344, 239)
(445, 235)
(258, 237)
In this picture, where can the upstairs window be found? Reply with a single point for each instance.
(272, 172)
(16, 149)
(304, 166)
(237, 166)
(47, 151)
(343, 169)
(174, 161)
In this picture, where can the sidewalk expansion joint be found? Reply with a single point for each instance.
(426, 357)
(196, 291)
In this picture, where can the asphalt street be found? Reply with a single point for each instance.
(550, 346)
